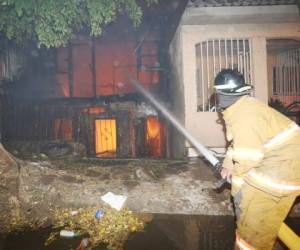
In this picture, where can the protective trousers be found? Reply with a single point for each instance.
(259, 217)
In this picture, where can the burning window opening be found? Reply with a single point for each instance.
(153, 137)
(79, 75)
(105, 138)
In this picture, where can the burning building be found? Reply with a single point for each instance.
(82, 93)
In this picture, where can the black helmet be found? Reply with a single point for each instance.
(231, 82)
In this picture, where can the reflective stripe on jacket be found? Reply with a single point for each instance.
(265, 142)
(267, 184)
(242, 244)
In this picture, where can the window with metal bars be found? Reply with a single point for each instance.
(214, 55)
(286, 76)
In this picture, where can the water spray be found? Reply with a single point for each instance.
(200, 148)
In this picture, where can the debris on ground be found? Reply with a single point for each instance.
(112, 228)
(115, 201)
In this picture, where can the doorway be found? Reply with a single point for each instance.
(105, 138)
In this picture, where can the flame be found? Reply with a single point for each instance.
(105, 138)
(153, 137)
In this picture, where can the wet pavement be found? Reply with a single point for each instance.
(165, 232)
(186, 232)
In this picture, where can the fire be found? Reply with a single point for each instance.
(153, 137)
(105, 138)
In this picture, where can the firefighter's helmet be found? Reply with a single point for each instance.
(231, 82)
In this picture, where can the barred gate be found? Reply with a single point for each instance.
(214, 55)
(286, 77)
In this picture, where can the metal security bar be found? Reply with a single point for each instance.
(214, 55)
(286, 76)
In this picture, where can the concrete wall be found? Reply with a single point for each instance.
(177, 93)
(256, 24)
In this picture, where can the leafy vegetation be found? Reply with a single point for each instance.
(52, 23)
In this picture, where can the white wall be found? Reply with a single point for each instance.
(256, 24)
(177, 93)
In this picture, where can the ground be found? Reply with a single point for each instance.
(151, 186)
(34, 184)
(37, 184)
(42, 185)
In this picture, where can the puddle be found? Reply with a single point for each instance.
(165, 232)
(170, 232)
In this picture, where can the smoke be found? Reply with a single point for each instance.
(144, 110)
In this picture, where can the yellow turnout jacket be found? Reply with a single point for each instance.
(265, 148)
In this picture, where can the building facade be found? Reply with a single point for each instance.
(261, 39)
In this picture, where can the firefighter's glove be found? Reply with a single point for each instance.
(226, 174)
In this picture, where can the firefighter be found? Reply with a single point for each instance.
(262, 161)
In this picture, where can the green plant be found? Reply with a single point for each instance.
(52, 23)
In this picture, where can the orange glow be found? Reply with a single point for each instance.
(153, 137)
(105, 138)
(82, 73)
(62, 77)
(94, 110)
(116, 62)
(63, 89)
(149, 78)
(63, 129)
